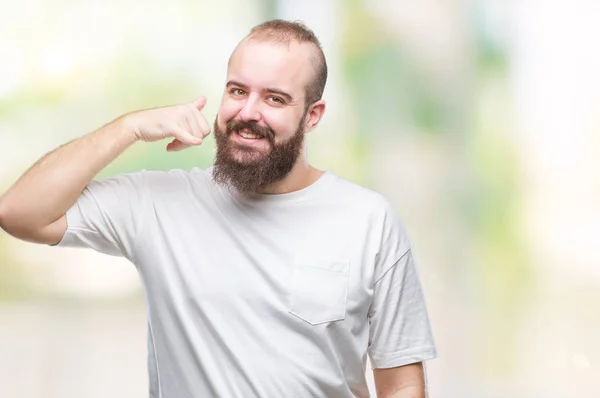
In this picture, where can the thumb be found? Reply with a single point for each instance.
(199, 103)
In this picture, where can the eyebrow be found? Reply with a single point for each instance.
(287, 96)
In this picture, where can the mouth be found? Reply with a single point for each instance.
(247, 137)
(247, 134)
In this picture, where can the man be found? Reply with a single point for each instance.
(264, 277)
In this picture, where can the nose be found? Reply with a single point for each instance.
(250, 112)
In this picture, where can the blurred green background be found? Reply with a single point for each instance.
(479, 119)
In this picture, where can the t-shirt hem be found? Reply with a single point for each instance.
(70, 230)
(402, 358)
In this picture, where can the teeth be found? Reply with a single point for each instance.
(248, 135)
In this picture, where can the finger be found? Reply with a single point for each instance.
(176, 145)
(184, 136)
(192, 121)
(202, 124)
(199, 103)
(199, 122)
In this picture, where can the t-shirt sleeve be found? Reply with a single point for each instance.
(107, 215)
(399, 328)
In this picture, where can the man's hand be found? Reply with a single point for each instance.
(34, 208)
(400, 382)
(184, 123)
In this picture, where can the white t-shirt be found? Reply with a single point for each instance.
(263, 295)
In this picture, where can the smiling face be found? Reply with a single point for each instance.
(263, 114)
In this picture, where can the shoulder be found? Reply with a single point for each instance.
(362, 198)
(154, 182)
(174, 178)
(383, 217)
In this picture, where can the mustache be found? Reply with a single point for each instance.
(253, 127)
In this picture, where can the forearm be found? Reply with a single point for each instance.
(406, 381)
(52, 185)
(408, 392)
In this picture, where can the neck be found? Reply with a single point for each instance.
(301, 176)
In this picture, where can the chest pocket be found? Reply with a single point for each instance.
(319, 291)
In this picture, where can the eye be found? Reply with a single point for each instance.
(237, 92)
(276, 100)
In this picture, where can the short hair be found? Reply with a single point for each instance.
(282, 31)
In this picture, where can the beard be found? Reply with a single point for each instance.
(251, 170)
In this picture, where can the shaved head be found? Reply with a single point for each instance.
(285, 32)
(275, 80)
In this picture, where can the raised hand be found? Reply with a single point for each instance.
(184, 124)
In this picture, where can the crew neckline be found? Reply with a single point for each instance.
(300, 195)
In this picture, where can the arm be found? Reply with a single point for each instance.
(406, 381)
(400, 337)
(34, 207)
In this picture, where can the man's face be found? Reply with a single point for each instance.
(261, 122)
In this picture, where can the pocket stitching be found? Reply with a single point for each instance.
(312, 265)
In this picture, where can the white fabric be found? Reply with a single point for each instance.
(262, 295)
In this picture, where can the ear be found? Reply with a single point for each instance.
(314, 115)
